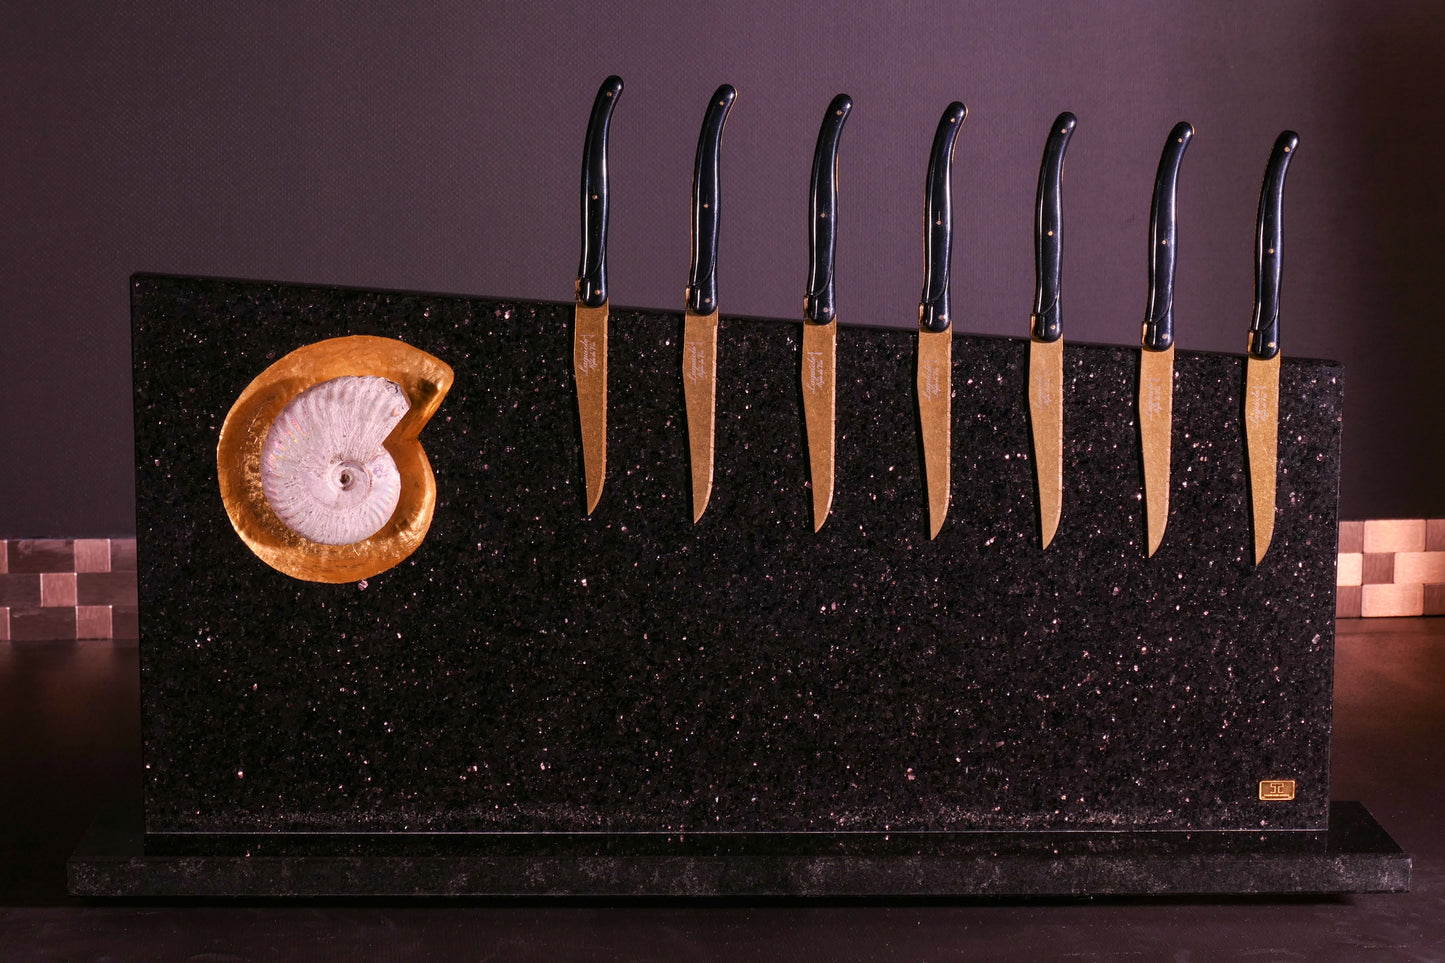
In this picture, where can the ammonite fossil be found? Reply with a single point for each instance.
(319, 464)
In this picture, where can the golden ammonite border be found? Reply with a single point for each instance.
(423, 378)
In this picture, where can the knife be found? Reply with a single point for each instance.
(935, 333)
(1156, 357)
(1046, 332)
(1261, 378)
(699, 331)
(589, 333)
(820, 329)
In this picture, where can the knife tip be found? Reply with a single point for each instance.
(1260, 551)
(822, 505)
(1048, 527)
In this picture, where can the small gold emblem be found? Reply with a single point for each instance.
(1273, 790)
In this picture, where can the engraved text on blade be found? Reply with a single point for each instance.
(588, 360)
(933, 380)
(817, 378)
(696, 362)
(1258, 404)
(1153, 399)
(1043, 392)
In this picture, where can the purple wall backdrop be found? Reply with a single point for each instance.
(436, 147)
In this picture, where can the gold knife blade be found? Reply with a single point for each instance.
(1261, 432)
(589, 368)
(820, 342)
(699, 383)
(1046, 418)
(935, 387)
(1156, 417)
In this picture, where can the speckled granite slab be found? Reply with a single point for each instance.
(533, 669)
(1355, 856)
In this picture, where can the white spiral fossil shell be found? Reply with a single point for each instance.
(323, 468)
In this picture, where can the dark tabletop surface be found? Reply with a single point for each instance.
(69, 747)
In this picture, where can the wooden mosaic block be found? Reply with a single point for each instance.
(1378, 568)
(92, 555)
(1347, 602)
(1420, 567)
(57, 588)
(1395, 535)
(1350, 570)
(92, 622)
(1352, 537)
(1378, 601)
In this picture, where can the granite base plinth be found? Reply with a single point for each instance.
(1355, 856)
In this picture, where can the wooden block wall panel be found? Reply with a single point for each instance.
(1423, 567)
(63, 589)
(1378, 568)
(1347, 602)
(20, 590)
(57, 588)
(107, 588)
(1395, 560)
(42, 624)
(92, 555)
(122, 555)
(125, 622)
(1435, 599)
(41, 555)
(92, 622)
(1395, 535)
(1378, 601)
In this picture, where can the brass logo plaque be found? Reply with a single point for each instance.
(1274, 790)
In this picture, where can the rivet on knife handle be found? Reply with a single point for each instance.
(699, 336)
(820, 333)
(589, 341)
(1156, 360)
(1046, 344)
(935, 337)
(1261, 383)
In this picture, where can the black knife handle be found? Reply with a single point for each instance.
(702, 280)
(818, 303)
(592, 271)
(1159, 321)
(933, 313)
(1269, 236)
(1047, 324)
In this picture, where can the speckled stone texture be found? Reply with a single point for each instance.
(534, 669)
(1355, 856)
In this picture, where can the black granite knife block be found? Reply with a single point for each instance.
(740, 705)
